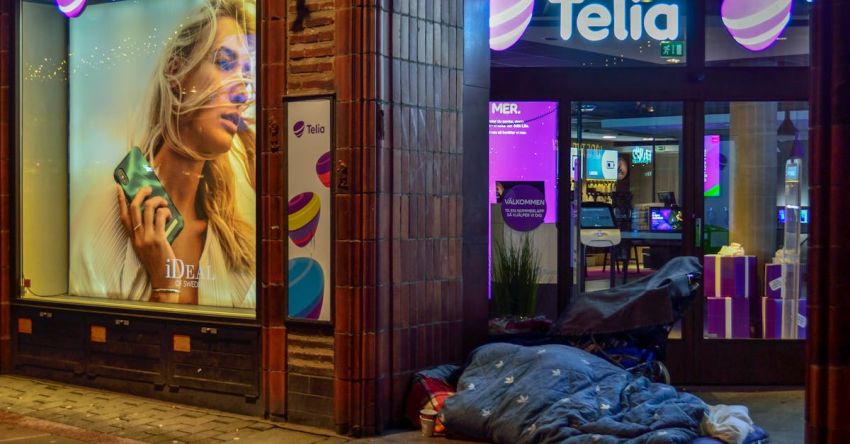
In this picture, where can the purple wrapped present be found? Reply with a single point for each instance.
(728, 317)
(729, 276)
(771, 315)
(773, 281)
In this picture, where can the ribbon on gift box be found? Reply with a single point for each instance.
(772, 312)
(728, 317)
(729, 276)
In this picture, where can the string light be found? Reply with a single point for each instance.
(99, 59)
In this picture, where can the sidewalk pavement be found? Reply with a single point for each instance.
(36, 411)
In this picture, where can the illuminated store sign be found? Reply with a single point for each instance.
(595, 21)
(71, 8)
(641, 155)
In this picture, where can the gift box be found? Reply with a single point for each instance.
(730, 276)
(728, 317)
(773, 281)
(771, 317)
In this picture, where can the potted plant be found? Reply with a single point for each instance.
(516, 269)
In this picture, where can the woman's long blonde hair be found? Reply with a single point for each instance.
(190, 45)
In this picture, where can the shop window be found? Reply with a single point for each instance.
(757, 33)
(592, 33)
(132, 102)
(757, 219)
(522, 201)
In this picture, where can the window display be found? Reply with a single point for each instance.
(155, 134)
(757, 221)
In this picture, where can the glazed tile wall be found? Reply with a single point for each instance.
(423, 148)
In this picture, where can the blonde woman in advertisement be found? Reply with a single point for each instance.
(198, 136)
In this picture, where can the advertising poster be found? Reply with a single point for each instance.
(711, 166)
(524, 147)
(309, 142)
(162, 149)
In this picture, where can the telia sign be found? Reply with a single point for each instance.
(594, 20)
(71, 8)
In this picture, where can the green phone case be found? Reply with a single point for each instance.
(133, 174)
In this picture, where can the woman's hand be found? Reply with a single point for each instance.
(146, 229)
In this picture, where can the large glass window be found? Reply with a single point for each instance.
(756, 219)
(592, 33)
(757, 32)
(629, 156)
(137, 166)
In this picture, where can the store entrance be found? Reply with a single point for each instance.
(651, 181)
(626, 186)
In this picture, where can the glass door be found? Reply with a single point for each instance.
(628, 206)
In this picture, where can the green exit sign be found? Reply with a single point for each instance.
(672, 49)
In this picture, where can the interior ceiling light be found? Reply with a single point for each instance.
(609, 137)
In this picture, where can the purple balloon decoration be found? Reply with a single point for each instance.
(304, 210)
(756, 24)
(323, 169)
(508, 21)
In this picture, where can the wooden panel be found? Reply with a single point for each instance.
(55, 340)
(221, 358)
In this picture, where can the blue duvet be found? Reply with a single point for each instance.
(559, 394)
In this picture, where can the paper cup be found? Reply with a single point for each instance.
(427, 426)
(427, 417)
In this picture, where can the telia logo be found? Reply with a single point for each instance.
(756, 24)
(508, 21)
(300, 127)
(594, 20)
(71, 8)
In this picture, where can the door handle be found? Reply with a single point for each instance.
(698, 232)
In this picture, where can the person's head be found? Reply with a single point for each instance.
(201, 104)
(204, 82)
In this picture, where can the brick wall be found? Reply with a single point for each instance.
(7, 59)
(273, 201)
(309, 378)
(303, 49)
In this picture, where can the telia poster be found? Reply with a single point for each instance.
(309, 208)
(711, 166)
(524, 147)
(161, 152)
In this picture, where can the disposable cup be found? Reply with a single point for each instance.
(426, 419)
(427, 426)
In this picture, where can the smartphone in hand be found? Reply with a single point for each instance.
(134, 173)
